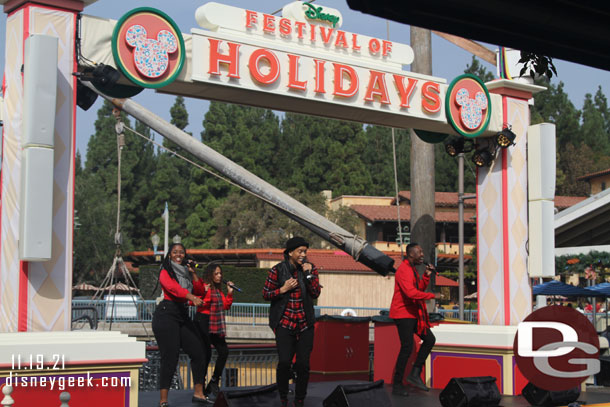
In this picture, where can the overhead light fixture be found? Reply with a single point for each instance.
(482, 157)
(505, 138)
(454, 146)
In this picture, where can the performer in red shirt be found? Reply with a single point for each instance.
(172, 325)
(291, 286)
(210, 320)
(410, 314)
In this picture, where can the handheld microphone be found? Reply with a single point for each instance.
(308, 275)
(192, 263)
(233, 286)
(428, 265)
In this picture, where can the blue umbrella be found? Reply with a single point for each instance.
(602, 289)
(555, 287)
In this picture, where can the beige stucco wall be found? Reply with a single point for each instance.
(596, 184)
(356, 290)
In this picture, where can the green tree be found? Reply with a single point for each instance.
(594, 122)
(96, 187)
(378, 159)
(245, 221)
(95, 201)
(476, 68)
(248, 136)
(576, 162)
(554, 106)
(323, 154)
(171, 181)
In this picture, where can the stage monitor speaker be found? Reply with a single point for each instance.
(541, 162)
(540, 397)
(471, 392)
(358, 395)
(261, 397)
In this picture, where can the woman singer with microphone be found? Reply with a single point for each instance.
(172, 325)
(210, 321)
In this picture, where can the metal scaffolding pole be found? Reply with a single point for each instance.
(354, 245)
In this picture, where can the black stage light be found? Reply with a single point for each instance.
(104, 77)
(85, 97)
(505, 138)
(454, 146)
(482, 157)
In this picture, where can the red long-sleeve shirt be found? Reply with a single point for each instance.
(408, 292)
(227, 301)
(173, 291)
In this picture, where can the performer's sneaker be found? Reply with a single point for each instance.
(299, 403)
(202, 401)
(399, 389)
(284, 402)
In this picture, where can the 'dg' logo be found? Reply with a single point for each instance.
(557, 348)
(148, 47)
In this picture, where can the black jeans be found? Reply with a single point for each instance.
(173, 330)
(288, 343)
(406, 329)
(202, 321)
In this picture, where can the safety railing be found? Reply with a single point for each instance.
(240, 313)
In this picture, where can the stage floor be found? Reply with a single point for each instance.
(318, 391)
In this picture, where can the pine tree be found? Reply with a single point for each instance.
(171, 181)
(323, 154)
(476, 68)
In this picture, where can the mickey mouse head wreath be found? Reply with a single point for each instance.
(467, 105)
(148, 47)
(151, 55)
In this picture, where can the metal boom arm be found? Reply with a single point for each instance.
(355, 246)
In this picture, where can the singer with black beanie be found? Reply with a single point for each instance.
(408, 309)
(210, 320)
(172, 325)
(292, 286)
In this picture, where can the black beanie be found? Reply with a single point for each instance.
(295, 242)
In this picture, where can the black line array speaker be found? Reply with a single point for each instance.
(358, 395)
(471, 392)
(265, 396)
(540, 397)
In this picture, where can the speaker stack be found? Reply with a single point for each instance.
(539, 397)
(260, 397)
(471, 392)
(358, 395)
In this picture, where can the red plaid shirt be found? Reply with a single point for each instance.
(294, 314)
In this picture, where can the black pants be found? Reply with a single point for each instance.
(288, 343)
(173, 330)
(202, 321)
(406, 329)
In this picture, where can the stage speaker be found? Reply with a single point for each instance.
(471, 392)
(539, 397)
(358, 395)
(541, 162)
(261, 397)
(37, 156)
(541, 259)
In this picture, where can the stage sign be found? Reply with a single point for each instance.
(308, 57)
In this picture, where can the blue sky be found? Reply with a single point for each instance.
(448, 60)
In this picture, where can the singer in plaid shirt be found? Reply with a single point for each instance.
(292, 286)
